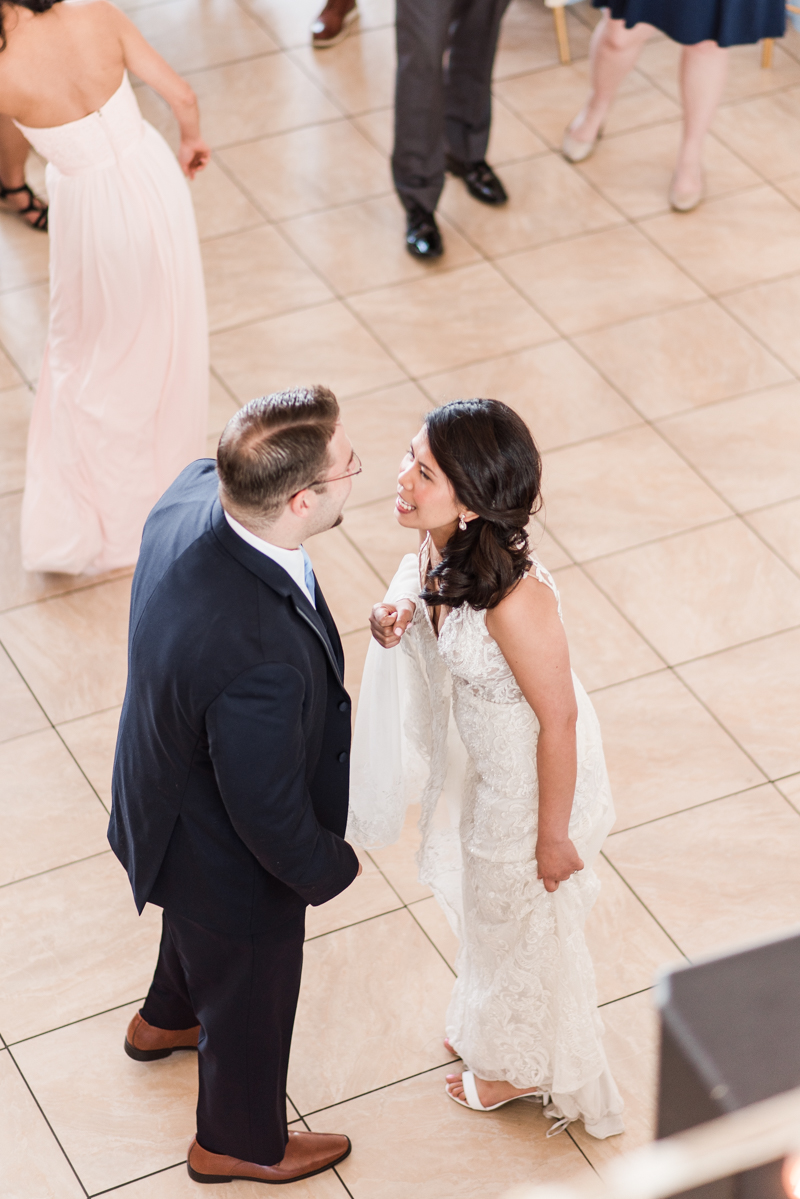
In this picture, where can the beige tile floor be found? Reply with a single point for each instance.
(656, 357)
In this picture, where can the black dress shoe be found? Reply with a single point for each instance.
(481, 181)
(423, 239)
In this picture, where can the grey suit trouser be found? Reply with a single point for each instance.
(441, 108)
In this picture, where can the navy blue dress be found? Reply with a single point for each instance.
(727, 22)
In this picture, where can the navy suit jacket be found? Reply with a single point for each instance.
(232, 765)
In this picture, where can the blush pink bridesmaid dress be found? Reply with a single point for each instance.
(122, 401)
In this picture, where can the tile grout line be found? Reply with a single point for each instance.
(87, 585)
(384, 1087)
(318, 273)
(16, 365)
(723, 296)
(341, 1180)
(762, 507)
(47, 1122)
(630, 995)
(712, 405)
(589, 1163)
(343, 300)
(355, 923)
(740, 516)
(363, 557)
(639, 899)
(131, 1181)
(703, 803)
(46, 1032)
(44, 727)
(429, 937)
(55, 729)
(51, 869)
(675, 668)
(407, 905)
(30, 691)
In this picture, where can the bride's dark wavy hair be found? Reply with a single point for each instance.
(33, 5)
(491, 460)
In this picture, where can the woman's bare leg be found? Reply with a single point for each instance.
(612, 53)
(702, 77)
(14, 151)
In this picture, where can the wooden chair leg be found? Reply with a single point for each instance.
(767, 47)
(562, 36)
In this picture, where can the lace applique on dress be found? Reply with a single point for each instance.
(476, 660)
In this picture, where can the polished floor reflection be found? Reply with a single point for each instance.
(656, 359)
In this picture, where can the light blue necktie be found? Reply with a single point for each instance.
(309, 577)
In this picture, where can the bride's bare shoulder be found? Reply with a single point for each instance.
(95, 16)
(531, 600)
(94, 9)
(102, 13)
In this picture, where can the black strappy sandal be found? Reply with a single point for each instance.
(33, 201)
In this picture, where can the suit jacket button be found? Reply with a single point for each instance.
(344, 706)
(343, 756)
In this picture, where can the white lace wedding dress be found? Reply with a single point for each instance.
(524, 1005)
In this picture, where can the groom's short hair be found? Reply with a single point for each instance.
(276, 446)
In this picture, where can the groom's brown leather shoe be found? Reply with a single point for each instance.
(146, 1043)
(306, 1154)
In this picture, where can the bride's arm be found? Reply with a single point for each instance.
(147, 63)
(390, 619)
(527, 628)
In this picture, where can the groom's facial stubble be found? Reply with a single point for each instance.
(331, 501)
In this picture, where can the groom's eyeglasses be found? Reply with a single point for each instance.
(355, 468)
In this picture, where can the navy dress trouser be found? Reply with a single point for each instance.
(243, 994)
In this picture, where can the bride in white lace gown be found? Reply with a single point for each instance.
(516, 804)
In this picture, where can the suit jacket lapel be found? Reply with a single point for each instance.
(319, 619)
(324, 613)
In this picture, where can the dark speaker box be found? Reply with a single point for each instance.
(730, 1036)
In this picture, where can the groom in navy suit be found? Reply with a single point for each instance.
(231, 771)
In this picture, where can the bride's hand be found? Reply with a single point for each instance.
(388, 622)
(556, 861)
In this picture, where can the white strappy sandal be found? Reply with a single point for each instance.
(472, 1101)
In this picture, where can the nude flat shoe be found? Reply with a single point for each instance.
(685, 201)
(575, 150)
(472, 1101)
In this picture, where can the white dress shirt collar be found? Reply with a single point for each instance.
(292, 561)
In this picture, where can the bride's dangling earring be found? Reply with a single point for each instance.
(462, 524)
